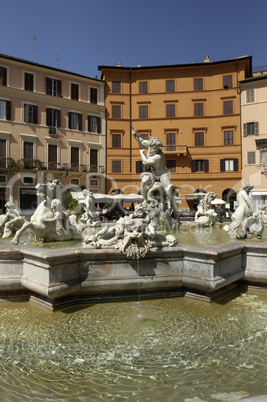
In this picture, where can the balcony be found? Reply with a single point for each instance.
(176, 149)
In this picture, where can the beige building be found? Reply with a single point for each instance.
(193, 108)
(254, 136)
(52, 124)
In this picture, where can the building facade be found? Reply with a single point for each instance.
(52, 124)
(194, 109)
(254, 136)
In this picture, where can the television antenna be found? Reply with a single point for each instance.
(34, 47)
(57, 60)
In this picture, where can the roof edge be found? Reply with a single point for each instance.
(32, 63)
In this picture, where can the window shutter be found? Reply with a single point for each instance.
(245, 132)
(222, 165)
(48, 117)
(193, 166)
(70, 120)
(3, 74)
(35, 114)
(8, 110)
(58, 118)
(256, 128)
(58, 87)
(206, 165)
(47, 80)
(80, 122)
(236, 165)
(26, 113)
(89, 123)
(98, 125)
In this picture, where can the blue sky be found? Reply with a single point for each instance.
(88, 33)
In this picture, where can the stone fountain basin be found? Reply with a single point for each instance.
(63, 277)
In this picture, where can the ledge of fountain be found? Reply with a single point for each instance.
(67, 276)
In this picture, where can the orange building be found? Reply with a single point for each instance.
(52, 124)
(193, 108)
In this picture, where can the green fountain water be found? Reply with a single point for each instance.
(158, 350)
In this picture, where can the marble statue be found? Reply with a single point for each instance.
(205, 215)
(91, 214)
(156, 181)
(11, 221)
(262, 212)
(49, 220)
(245, 223)
(133, 235)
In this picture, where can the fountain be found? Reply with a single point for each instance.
(157, 349)
(131, 256)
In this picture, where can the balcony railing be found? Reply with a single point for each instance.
(176, 149)
(9, 165)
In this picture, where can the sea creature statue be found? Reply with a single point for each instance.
(245, 223)
(156, 181)
(91, 215)
(205, 215)
(48, 221)
(133, 235)
(262, 212)
(11, 221)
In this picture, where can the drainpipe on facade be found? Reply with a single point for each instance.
(130, 112)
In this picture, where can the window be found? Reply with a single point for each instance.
(93, 182)
(144, 136)
(143, 112)
(27, 150)
(116, 87)
(198, 109)
(171, 165)
(251, 158)
(228, 107)
(200, 165)
(198, 84)
(227, 81)
(53, 87)
(143, 87)
(199, 139)
(116, 141)
(2, 178)
(28, 81)
(139, 167)
(93, 160)
(228, 137)
(250, 95)
(251, 128)
(170, 85)
(3, 76)
(116, 111)
(74, 91)
(28, 180)
(170, 137)
(53, 120)
(170, 110)
(5, 110)
(116, 166)
(52, 157)
(93, 95)
(75, 121)
(74, 158)
(2, 153)
(30, 114)
(94, 124)
(263, 156)
(75, 182)
(228, 165)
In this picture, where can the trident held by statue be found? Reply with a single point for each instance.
(134, 132)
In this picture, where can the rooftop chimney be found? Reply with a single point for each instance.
(118, 64)
(206, 59)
